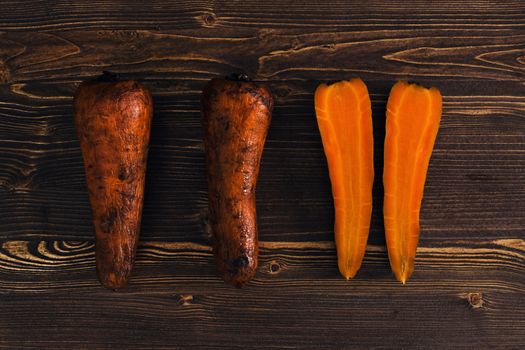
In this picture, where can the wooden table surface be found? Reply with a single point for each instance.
(468, 290)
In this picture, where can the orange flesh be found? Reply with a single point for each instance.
(344, 116)
(412, 122)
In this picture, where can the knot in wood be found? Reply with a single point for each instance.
(185, 299)
(274, 267)
(209, 19)
(475, 300)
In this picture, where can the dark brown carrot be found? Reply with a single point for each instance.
(113, 121)
(236, 115)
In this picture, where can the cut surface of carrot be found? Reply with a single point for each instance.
(412, 122)
(344, 116)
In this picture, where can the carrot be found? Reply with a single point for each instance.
(412, 122)
(113, 121)
(236, 114)
(344, 116)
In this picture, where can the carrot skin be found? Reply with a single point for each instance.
(236, 116)
(344, 116)
(412, 122)
(113, 122)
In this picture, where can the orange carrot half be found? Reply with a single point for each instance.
(344, 116)
(412, 122)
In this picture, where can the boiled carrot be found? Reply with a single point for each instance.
(412, 122)
(344, 116)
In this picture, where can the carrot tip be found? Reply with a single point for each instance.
(403, 275)
(348, 274)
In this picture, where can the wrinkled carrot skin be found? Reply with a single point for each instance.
(412, 122)
(344, 116)
(236, 116)
(113, 121)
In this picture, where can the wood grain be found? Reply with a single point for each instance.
(177, 294)
(468, 290)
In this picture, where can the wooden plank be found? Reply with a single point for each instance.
(41, 267)
(277, 319)
(474, 182)
(176, 294)
(45, 15)
(283, 54)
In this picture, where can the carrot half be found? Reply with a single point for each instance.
(344, 116)
(412, 122)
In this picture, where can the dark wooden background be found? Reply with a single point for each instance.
(468, 290)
